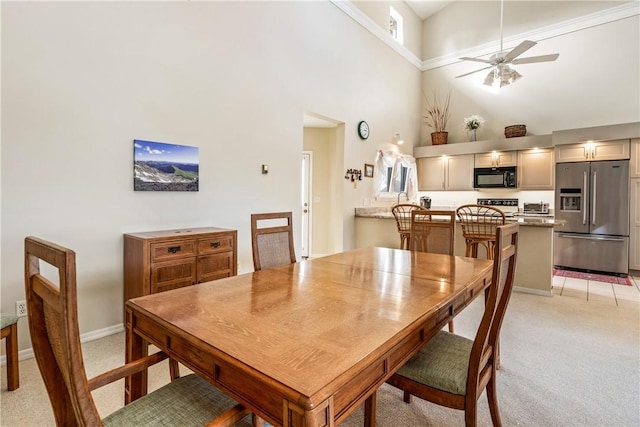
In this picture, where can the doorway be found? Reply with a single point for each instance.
(322, 225)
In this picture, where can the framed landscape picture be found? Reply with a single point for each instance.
(158, 166)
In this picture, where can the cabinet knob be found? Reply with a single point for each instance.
(173, 249)
(215, 244)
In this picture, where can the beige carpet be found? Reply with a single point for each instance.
(565, 362)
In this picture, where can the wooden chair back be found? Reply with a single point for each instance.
(53, 323)
(433, 231)
(484, 355)
(272, 245)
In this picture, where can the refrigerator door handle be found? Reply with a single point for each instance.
(584, 199)
(608, 239)
(593, 203)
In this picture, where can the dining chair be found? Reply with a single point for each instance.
(402, 214)
(451, 370)
(433, 231)
(9, 324)
(272, 242)
(53, 325)
(479, 224)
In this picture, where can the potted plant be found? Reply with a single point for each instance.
(471, 124)
(437, 116)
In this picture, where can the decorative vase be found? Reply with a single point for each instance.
(472, 134)
(439, 138)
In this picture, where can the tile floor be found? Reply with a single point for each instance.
(598, 292)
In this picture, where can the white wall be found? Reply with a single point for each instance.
(81, 80)
(594, 82)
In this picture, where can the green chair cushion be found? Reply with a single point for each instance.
(187, 401)
(442, 363)
(7, 319)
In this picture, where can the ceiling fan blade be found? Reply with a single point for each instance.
(486, 61)
(519, 50)
(481, 69)
(541, 58)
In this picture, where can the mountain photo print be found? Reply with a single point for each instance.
(159, 166)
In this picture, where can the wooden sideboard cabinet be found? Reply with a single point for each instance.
(157, 261)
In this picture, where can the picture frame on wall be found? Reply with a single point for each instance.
(159, 166)
(368, 170)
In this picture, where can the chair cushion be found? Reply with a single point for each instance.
(7, 319)
(442, 363)
(187, 401)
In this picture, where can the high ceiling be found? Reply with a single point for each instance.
(426, 8)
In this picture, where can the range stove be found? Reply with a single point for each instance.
(508, 206)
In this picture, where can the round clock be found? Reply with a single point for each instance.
(363, 129)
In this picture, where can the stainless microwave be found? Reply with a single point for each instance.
(494, 177)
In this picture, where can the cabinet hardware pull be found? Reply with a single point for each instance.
(215, 244)
(173, 249)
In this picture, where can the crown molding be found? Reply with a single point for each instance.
(357, 15)
(591, 20)
(606, 16)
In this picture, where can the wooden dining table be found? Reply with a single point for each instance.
(305, 344)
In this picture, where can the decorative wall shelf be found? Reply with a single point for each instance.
(559, 137)
(505, 144)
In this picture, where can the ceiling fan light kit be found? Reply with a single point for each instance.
(501, 71)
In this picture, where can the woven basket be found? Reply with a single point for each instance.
(439, 138)
(515, 130)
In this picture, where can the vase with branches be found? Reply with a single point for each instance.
(437, 115)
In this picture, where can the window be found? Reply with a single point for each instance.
(395, 25)
(395, 173)
(397, 183)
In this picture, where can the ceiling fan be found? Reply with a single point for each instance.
(500, 63)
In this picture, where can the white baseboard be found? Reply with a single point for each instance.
(89, 336)
(533, 291)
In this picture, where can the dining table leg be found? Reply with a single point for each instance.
(135, 386)
(370, 411)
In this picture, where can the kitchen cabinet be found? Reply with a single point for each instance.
(496, 159)
(593, 151)
(634, 163)
(445, 173)
(536, 169)
(158, 261)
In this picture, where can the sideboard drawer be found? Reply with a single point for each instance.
(172, 250)
(215, 244)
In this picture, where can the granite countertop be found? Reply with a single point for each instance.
(526, 220)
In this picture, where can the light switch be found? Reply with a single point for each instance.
(265, 169)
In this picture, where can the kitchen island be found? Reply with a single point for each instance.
(376, 226)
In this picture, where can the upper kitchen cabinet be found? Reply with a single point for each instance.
(536, 169)
(634, 163)
(496, 159)
(593, 150)
(445, 173)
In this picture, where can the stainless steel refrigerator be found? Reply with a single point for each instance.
(593, 199)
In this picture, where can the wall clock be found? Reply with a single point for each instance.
(363, 130)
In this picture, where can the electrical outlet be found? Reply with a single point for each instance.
(21, 308)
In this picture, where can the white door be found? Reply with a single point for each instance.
(307, 163)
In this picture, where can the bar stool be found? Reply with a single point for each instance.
(479, 225)
(402, 214)
(9, 323)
